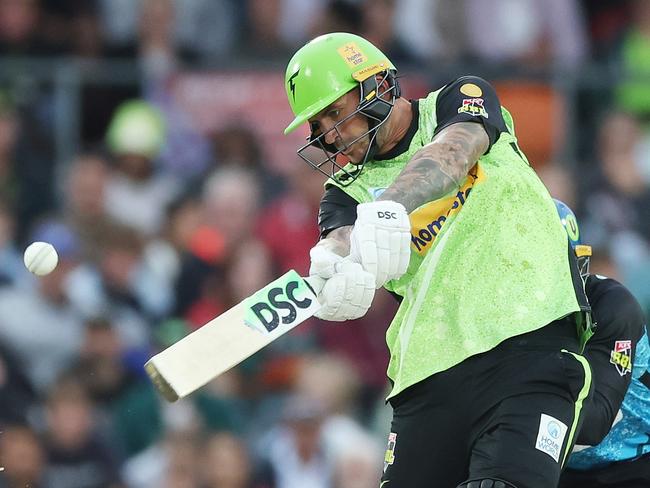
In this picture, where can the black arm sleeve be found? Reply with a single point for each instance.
(337, 209)
(470, 99)
(618, 318)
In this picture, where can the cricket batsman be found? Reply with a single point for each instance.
(618, 353)
(434, 200)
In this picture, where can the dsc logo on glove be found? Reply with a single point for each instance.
(386, 215)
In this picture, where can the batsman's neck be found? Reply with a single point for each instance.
(396, 126)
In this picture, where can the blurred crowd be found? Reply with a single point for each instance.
(161, 226)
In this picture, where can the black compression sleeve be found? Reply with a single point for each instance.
(337, 209)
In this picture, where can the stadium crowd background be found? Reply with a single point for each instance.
(144, 140)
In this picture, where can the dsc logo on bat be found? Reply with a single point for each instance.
(280, 305)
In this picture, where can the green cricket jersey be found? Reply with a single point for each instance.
(489, 260)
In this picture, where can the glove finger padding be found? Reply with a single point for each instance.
(323, 260)
(348, 294)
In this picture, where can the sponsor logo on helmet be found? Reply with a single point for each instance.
(368, 71)
(621, 357)
(352, 55)
(473, 107)
(471, 90)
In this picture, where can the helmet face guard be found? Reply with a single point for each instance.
(376, 109)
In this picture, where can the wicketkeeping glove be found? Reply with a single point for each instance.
(381, 240)
(347, 294)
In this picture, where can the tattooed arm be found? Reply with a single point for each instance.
(440, 166)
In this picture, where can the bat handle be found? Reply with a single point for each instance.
(316, 283)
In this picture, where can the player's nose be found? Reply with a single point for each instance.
(330, 136)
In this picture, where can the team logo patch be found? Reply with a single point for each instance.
(389, 457)
(471, 90)
(473, 107)
(621, 357)
(352, 55)
(550, 436)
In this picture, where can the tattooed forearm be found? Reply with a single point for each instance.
(439, 166)
(338, 240)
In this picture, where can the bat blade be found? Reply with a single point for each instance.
(232, 337)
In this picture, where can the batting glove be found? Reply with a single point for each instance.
(381, 240)
(323, 260)
(347, 294)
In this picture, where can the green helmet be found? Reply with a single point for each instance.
(324, 70)
(327, 68)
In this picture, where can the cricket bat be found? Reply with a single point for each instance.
(234, 335)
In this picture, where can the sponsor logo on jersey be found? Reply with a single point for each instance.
(352, 55)
(389, 457)
(621, 357)
(428, 220)
(473, 107)
(550, 436)
(471, 90)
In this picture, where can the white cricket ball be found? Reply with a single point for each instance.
(40, 258)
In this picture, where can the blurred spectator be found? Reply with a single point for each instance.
(261, 37)
(238, 146)
(230, 206)
(289, 227)
(378, 28)
(231, 198)
(606, 20)
(617, 205)
(22, 458)
(122, 285)
(432, 29)
(171, 464)
(534, 32)
(339, 16)
(633, 94)
(73, 24)
(203, 28)
(101, 367)
(26, 170)
(248, 270)
(85, 195)
(20, 32)
(138, 192)
(225, 463)
(332, 381)
(363, 343)
(16, 392)
(309, 12)
(76, 456)
(358, 465)
(619, 200)
(293, 451)
(41, 326)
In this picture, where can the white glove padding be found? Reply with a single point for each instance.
(323, 259)
(347, 294)
(381, 240)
